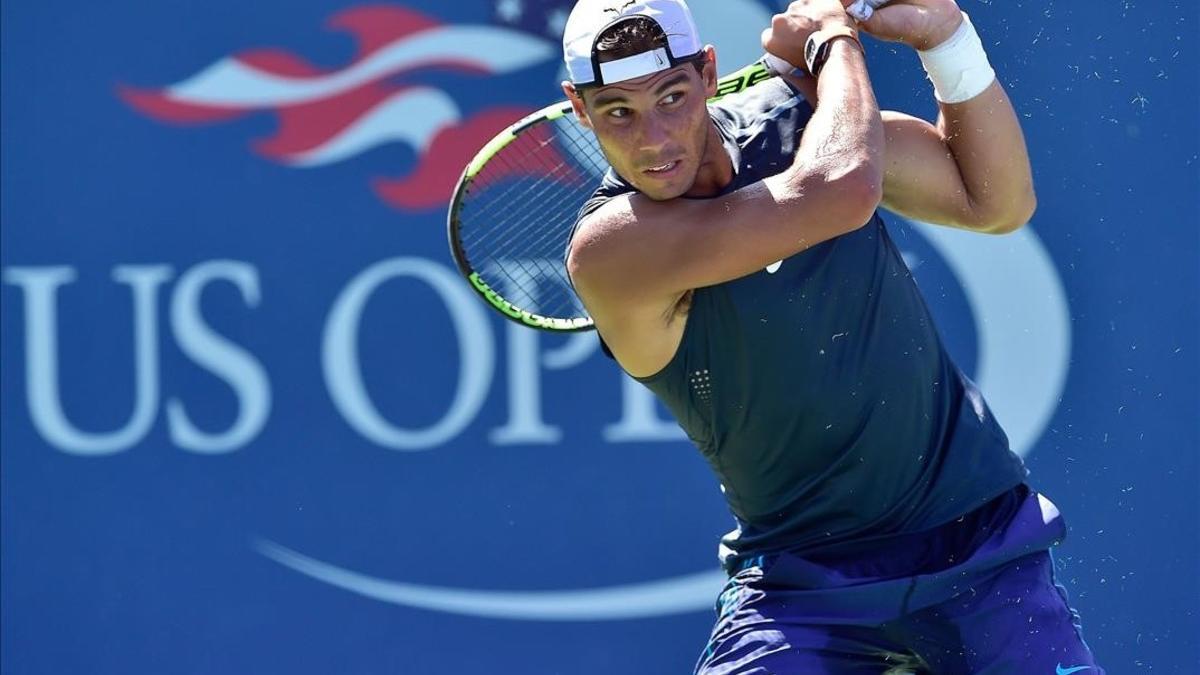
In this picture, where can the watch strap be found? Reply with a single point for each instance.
(819, 45)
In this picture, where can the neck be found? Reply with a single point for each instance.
(716, 168)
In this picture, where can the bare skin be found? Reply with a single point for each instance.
(971, 170)
(636, 260)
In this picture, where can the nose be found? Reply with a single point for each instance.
(655, 133)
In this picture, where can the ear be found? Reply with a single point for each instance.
(709, 74)
(576, 99)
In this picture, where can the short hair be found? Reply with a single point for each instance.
(632, 36)
(635, 35)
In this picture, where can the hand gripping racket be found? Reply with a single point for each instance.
(517, 200)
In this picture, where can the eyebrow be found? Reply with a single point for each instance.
(602, 100)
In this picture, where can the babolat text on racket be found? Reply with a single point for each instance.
(517, 200)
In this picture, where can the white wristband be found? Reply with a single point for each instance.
(959, 67)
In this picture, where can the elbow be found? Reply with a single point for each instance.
(846, 193)
(862, 192)
(1016, 216)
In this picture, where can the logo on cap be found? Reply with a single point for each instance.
(622, 8)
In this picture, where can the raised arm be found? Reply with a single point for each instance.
(636, 251)
(971, 170)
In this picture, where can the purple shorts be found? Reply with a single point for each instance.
(976, 596)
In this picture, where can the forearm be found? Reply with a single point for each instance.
(844, 137)
(970, 169)
(983, 135)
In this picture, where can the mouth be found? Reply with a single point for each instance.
(663, 169)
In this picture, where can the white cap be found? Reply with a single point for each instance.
(589, 18)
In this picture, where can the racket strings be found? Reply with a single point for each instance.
(519, 210)
(511, 204)
(539, 154)
(541, 188)
(503, 199)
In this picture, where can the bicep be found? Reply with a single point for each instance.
(921, 177)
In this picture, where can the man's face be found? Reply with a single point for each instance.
(653, 129)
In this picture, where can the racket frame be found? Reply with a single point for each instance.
(759, 71)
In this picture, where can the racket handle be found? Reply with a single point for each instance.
(862, 10)
(778, 66)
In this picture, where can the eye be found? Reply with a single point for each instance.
(672, 98)
(618, 113)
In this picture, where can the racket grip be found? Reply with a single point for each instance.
(778, 66)
(862, 10)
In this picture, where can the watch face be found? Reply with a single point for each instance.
(810, 52)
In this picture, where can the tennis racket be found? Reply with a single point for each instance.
(516, 202)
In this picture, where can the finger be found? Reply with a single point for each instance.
(896, 22)
(880, 25)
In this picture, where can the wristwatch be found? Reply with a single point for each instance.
(820, 44)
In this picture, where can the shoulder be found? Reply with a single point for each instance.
(762, 108)
(611, 186)
(598, 231)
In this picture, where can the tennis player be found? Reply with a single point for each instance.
(735, 263)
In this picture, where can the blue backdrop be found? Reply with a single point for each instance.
(251, 422)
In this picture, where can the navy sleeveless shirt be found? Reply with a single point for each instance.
(818, 389)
